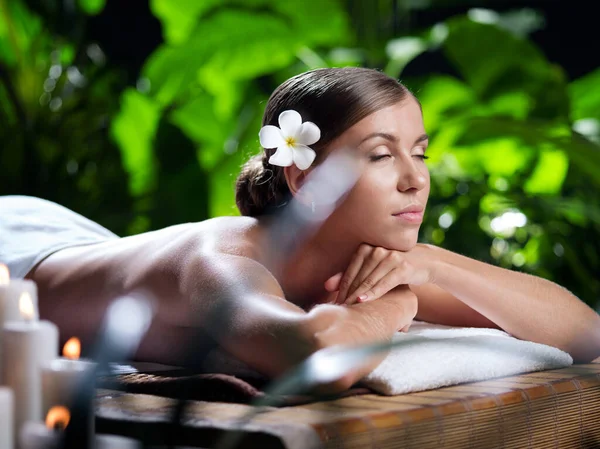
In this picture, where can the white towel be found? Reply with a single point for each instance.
(435, 356)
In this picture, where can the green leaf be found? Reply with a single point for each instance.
(585, 96)
(503, 156)
(198, 121)
(222, 181)
(231, 41)
(92, 7)
(224, 174)
(134, 129)
(484, 52)
(19, 28)
(520, 22)
(549, 173)
(318, 22)
(535, 135)
(236, 42)
(494, 61)
(443, 96)
(322, 22)
(492, 203)
(179, 17)
(584, 153)
(575, 210)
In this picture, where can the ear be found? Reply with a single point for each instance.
(295, 180)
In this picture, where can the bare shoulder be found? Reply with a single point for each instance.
(217, 270)
(223, 249)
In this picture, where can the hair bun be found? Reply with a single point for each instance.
(255, 189)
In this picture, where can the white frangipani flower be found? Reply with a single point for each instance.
(291, 140)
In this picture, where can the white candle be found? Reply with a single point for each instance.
(60, 380)
(10, 292)
(62, 377)
(6, 418)
(35, 435)
(26, 346)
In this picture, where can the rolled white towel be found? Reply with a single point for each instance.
(435, 356)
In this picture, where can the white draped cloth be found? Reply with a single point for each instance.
(31, 229)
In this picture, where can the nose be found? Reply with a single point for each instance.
(412, 174)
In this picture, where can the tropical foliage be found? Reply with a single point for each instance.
(514, 152)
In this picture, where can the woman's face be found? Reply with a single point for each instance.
(390, 144)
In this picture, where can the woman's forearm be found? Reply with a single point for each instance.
(361, 324)
(528, 307)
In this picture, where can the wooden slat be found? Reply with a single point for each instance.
(558, 408)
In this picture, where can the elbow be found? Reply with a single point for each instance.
(584, 354)
(322, 331)
(322, 327)
(584, 350)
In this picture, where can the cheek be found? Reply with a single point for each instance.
(367, 200)
(369, 189)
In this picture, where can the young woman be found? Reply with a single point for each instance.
(359, 277)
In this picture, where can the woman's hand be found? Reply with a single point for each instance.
(374, 271)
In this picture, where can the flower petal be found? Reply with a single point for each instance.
(270, 137)
(283, 157)
(303, 156)
(309, 134)
(290, 123)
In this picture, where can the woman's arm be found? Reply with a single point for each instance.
(456, 290)
(528, 307)
(272, 335)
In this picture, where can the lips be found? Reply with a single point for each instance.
(410, 209)
(410, 214)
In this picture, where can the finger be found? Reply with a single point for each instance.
(370, 263)
(351, 272)
(391, 280)
(374, 278)
(333, 283)
(363, 278)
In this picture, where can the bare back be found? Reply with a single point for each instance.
(77, 284)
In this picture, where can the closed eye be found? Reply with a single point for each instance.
(379, 157)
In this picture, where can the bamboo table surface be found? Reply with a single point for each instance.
(554, 409)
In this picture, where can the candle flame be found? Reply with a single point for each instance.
(4, 275)
(72, 348)
(26, 306)
(58, 417)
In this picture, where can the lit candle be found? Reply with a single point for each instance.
(10, 292)
(6, 418)
(26, 345)
(37, 435)
(61, 378)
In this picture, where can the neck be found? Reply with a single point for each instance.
(306, 256)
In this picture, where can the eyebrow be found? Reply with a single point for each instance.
(392, 138)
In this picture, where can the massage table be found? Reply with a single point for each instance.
(549, 409)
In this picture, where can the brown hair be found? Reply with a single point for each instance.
(334, 99)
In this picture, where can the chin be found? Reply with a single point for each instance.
(404, 241)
